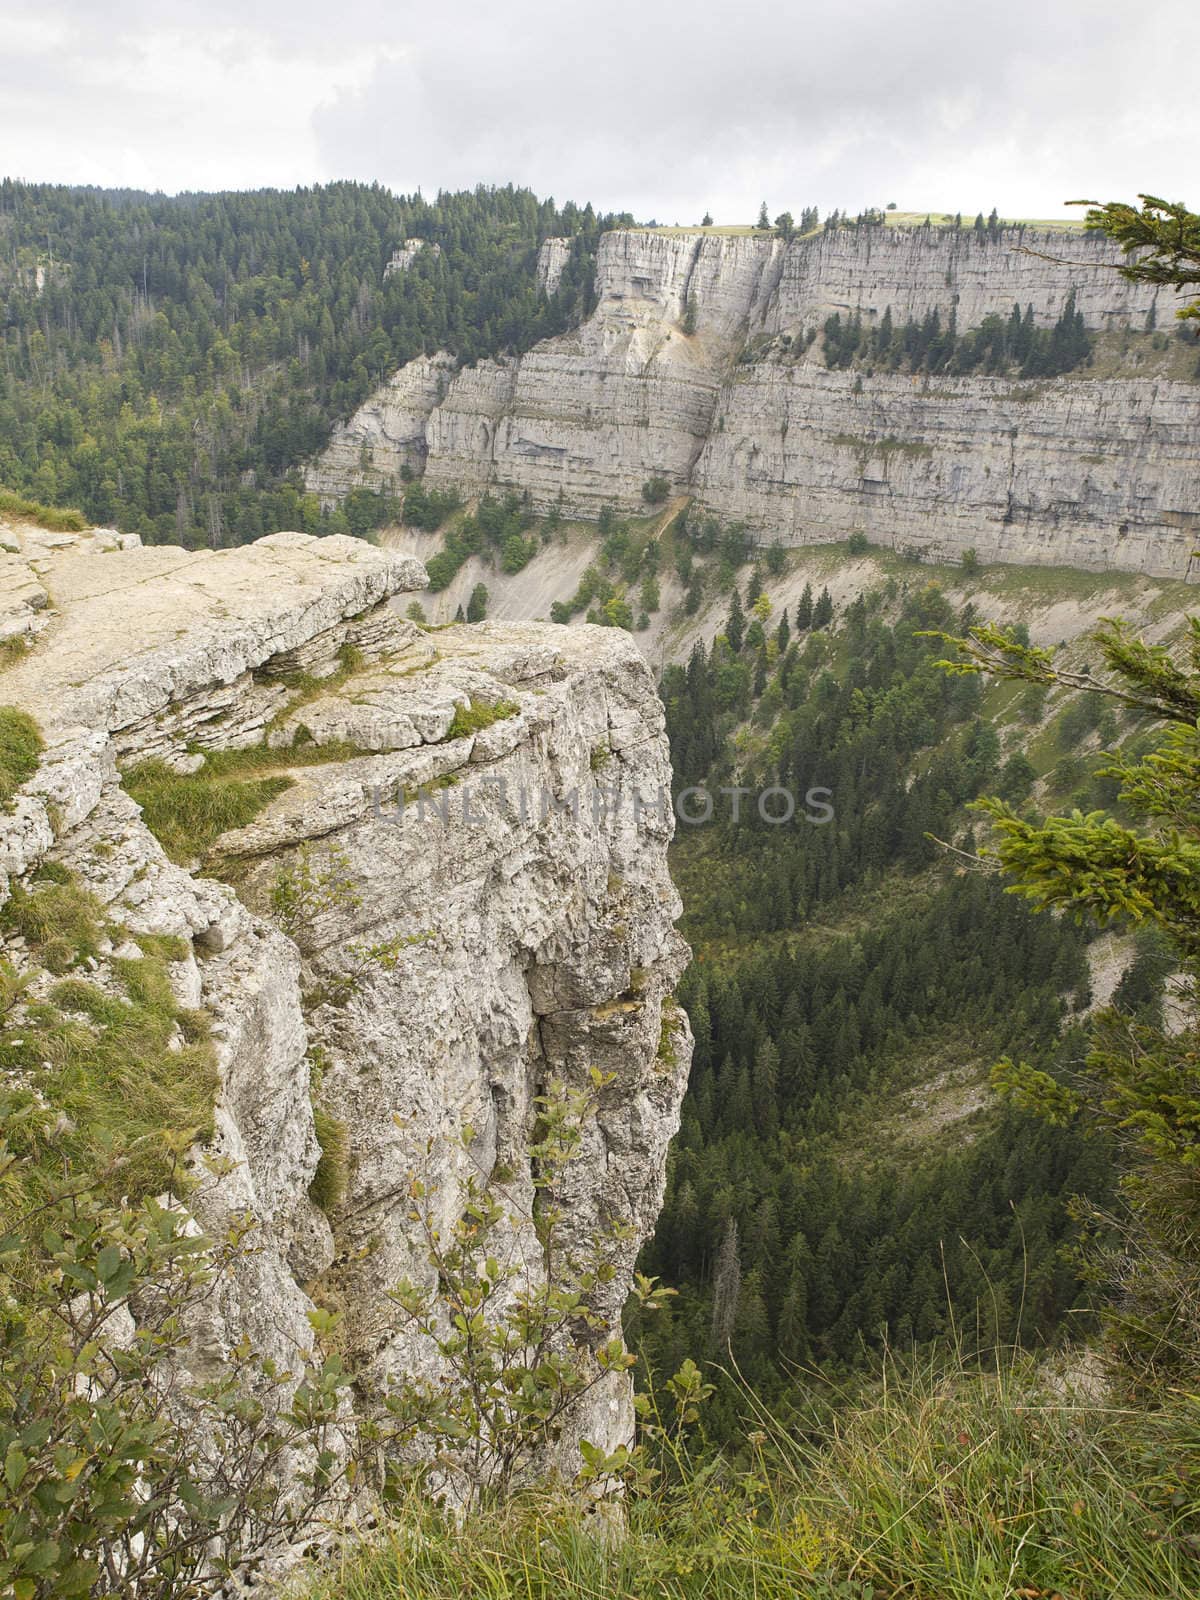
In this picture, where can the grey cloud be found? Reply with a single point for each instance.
(656, 106)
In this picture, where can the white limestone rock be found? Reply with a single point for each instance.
(685, 370)
(541, 919)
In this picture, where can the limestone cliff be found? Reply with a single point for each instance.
(540, 908)
(691, 367)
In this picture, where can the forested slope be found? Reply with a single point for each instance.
(844, 1181)
(167, 362)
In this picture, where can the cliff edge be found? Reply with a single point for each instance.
(466, 796)
(698, 365)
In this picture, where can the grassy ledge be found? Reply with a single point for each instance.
(131, 1072)
(20, 748)
(478, 715)
(187, 813)
(56, 519)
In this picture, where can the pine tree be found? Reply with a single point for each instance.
(735, 627)
(804, 610)
(765, 1081)
(822, 614)
(727, 1290)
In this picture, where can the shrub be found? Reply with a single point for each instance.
(515, 1355)
(120, 1474)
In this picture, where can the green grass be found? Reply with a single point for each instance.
(20, 748)
(329, 1180)
(930, 1484)
(131, 1071)
(476, 716)
(187, 813)
(56, 519)
(60, 922)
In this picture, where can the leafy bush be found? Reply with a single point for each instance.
(120, 1473)
(516, 1335)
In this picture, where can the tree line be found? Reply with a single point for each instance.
(166, 363)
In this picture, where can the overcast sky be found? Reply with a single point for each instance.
(660, 107)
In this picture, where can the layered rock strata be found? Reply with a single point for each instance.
(695, 366)
(541, 918)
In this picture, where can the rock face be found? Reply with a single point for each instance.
(531, 923)
(405, 254)
(693, 367)
(1075, 472)
(552, 258)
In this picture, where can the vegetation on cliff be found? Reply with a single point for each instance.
(963, 1468)
(167, 362)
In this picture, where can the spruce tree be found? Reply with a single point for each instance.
(735, 627)
(727, 1290)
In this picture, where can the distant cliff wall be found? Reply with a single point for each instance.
(688, 369)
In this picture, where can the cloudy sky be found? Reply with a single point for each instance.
(662, 107)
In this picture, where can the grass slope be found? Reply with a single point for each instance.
(935, 1484)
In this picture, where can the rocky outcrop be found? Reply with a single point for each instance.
(693, 366)
(1074, 472)
(525, 897)
(553, 256)
(405, 254)
(388, 433)
(960, 271)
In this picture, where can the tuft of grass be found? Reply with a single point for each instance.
(13, 650)
(56, 519)
(478, 715)
(329, 1180)
(60, 922)
(188, 813)
(20, 748)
